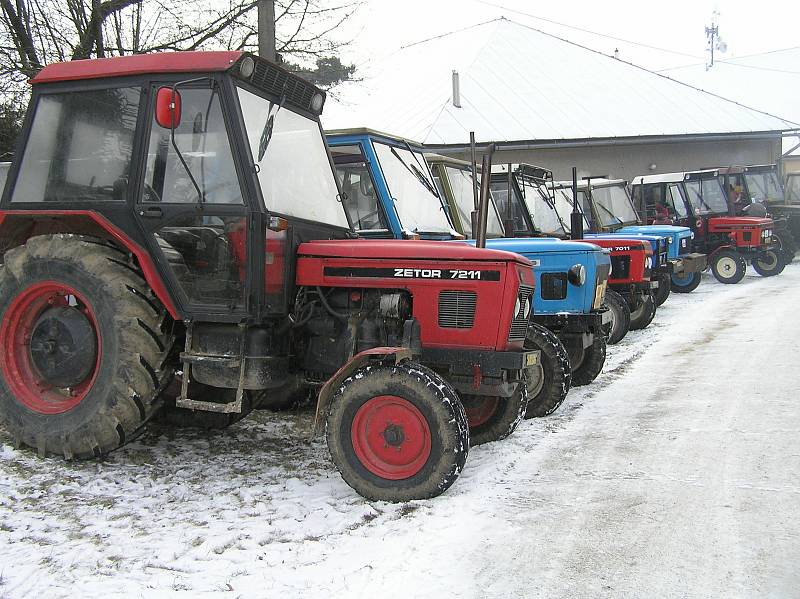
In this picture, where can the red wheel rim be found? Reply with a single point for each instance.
(21, 375)
(391, 437)
(480, 409)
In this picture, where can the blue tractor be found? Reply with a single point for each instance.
(389, 191)
(609, 207)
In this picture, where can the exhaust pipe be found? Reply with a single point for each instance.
(576, 224)
(483, 208)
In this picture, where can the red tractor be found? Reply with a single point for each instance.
(172, 240)
(698, 201)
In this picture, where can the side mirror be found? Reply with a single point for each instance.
(168, 108)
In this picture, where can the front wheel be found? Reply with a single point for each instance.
(397, 432)
(620, 317)
(588, 362)
(728, 266)
(644, 313)
(557, 377)
(662, 292)
(769, 263)
(685, 282)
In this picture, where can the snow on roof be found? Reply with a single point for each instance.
(519, 83)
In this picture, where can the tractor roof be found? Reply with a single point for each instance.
(137, 64)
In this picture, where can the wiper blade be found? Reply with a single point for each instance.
(411, 168)
(269, 125)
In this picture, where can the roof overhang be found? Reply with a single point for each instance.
(544, 144)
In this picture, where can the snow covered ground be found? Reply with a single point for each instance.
(677, 473)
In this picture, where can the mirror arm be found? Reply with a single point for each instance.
(174, 143)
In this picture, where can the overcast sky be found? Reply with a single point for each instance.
(677, 25)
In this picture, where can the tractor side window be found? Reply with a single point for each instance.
(79, 147)
(675, 203)
(358, 191)
(202, 139)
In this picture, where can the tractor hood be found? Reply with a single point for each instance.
(742, 221)
(538, 245)
(661, 230)
(405, 249)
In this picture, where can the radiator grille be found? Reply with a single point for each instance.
(457, 309)
(275, 81)
(519, 324)
(620, 267)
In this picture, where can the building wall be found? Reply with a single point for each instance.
(628, 161)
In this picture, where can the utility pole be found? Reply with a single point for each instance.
(266, 29)
(714, 40)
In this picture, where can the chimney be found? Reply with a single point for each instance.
(456, 90)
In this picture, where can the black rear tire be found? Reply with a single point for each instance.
(769, 263)
(428, 401)
(557, 378)
(589, 363)
(644, 313)
(786, 242)
(664, 287)
(494, 418)
(620, 317)
(728, 266)
(131, 358)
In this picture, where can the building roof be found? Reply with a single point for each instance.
(519, 83)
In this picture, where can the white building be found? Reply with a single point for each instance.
(548, 101)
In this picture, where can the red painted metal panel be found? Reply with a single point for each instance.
(145, 263)
(137, 64)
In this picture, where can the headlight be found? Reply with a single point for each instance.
(577, 275)
(527, 308)
(246, 67)
(692, 235)
(517, 307)
(669, 240)
(316, 102)
(648, 262)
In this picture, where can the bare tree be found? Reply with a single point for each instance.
(36, 32)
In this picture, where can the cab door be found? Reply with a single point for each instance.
(193, 206)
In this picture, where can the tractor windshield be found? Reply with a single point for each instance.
(542, 208)
(293, 167)
(563, 203)
(460, 180)
(613, 205)
(763, 186)
(706, 196)
(793, 188)
(414, 194)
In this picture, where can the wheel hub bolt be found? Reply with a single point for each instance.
(393, 435)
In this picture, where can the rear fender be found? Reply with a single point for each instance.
(377, 355)
(16, 227)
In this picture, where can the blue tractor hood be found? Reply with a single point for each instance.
(552, 258)
(679, 237)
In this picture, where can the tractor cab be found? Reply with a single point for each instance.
(697, 200)
(174, 244)
(550, 208)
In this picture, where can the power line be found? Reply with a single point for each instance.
(611, 37)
